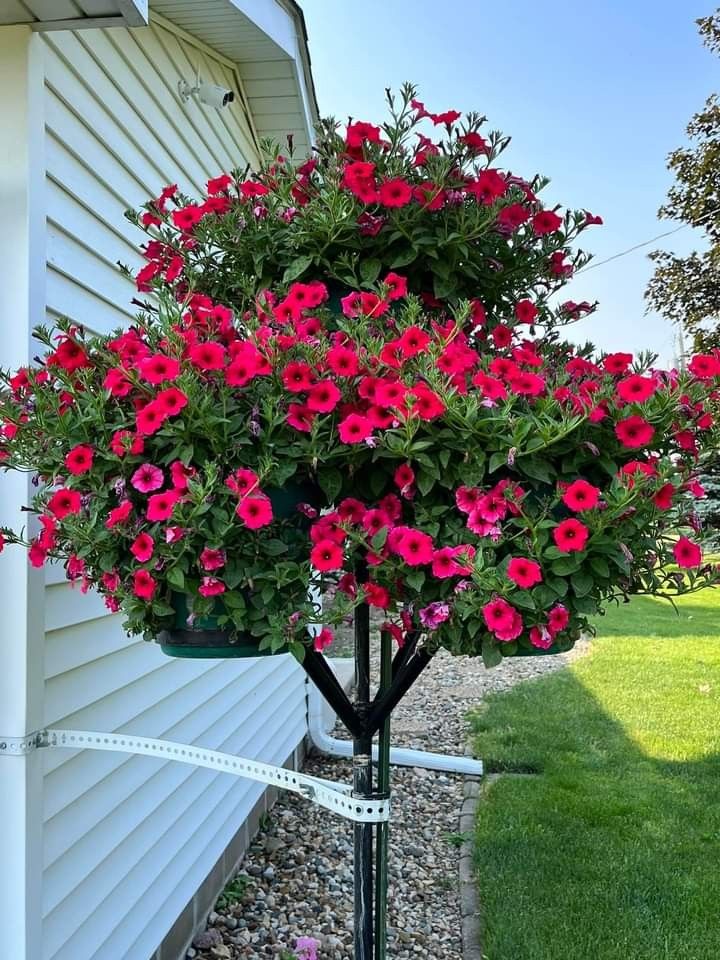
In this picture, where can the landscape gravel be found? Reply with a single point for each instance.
(296, 879)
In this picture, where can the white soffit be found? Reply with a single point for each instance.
(268, 42)
(74, 14)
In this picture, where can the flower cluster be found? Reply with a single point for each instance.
(446, 458)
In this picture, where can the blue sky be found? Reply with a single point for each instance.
(594, 93)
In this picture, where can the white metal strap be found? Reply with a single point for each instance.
(336, 797)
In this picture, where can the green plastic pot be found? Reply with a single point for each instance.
(517, 650)
(204, 639)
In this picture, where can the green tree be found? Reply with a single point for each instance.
(686, 290)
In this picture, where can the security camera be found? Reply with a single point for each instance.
(211, 94)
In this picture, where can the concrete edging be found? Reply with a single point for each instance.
(470, 916)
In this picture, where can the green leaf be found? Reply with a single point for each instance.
(565, 566)
(405, 257)
(176, 578)
(275, 548)
(370, 270)
(558, 585)
(536, 469)
(425, 482)
(162, 609)
(378, 482)
(491, 654)
(296, 269)
(523, 599)
(582, 583)
(600, 566)
(330, 480)
(378, 541)
(498, 459)
(415, 579)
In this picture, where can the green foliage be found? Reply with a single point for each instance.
(687, 289)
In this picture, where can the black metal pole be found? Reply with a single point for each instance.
(383, 787)
(362, 787)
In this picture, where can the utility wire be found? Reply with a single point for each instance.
(645, 243)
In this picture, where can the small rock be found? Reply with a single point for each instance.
(208, 938)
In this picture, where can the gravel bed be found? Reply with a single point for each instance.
(296, 879)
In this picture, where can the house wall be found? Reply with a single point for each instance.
(128, 840)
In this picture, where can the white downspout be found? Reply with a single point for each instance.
(322, 741)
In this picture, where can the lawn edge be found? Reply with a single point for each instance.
(470, 917)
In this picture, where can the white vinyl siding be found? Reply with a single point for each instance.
(127, 840)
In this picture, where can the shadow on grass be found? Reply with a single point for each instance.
(612, 851)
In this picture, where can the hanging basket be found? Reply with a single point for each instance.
(202, 637)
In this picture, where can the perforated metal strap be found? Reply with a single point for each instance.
(336, 797)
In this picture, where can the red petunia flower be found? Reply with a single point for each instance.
(212, 559)
(79, 459)
(147, 478)
(525, 311)
(488, 186)
(117, 383)
(70, 356)
(546, 222)
(663, 499)
(376, 595)
(158, 368)
(634, 432)
(395, 193)
(64, 502)
(687, 554)
(171, 401)
(502, 336)
(351, 510)
(570, 536)
(427, 404)
(453, 561)
(187, 217)
(342, 361)
(297, 377)
(300, 417)
(541, 637)
(524, 572)
(142, 547)
(396, 287)
(323, 639)
(704, 366)
(636, 389)
(581, 495)
(617, 364)
(526, 384)
(414, 546)
(208, 355)
(558, 618)
(513, 216)
(144, 584)
(355, 428)
(119, 514)
(327, 555)
(211, 587)
(323, 396)
(404, 477)
(255, 511)
(150, 418)
(502, 619)
(161, 505)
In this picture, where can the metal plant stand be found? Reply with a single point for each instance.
(363, 719)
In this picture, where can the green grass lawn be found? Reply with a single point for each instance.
(611, 851)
